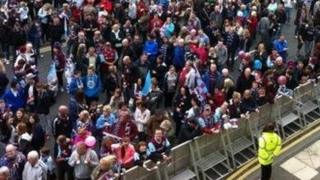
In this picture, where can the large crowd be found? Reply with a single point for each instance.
(141, 77)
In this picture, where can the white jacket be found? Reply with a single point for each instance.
(141, 118)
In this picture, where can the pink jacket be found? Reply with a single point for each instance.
(128, 159)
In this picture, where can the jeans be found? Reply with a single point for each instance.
(307, 47)
(288, 14)
(5, 48)
(46, 123)
(231, 56)
(266, 171)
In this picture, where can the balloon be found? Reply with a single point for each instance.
(241, 54)
(282, 80)
(90, 141)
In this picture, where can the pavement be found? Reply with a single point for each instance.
(303, 166)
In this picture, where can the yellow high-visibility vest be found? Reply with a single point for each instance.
(269, 146)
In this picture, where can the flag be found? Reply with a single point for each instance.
(201, 89)
(147, 84)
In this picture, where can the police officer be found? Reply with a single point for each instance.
(269, 147)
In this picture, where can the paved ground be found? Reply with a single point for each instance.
(303, 166)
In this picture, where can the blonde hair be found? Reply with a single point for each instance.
(236, 95)
(85, 114)
(33, 155)
(107, 108)
(108, 160)
(228, 83)
(166, 125)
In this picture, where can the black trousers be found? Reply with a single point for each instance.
(64, 169)
(60, 78)
(266, 171)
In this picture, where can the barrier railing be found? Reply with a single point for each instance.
(186, 155)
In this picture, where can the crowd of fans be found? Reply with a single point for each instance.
(141, 77)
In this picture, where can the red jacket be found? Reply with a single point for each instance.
(75, 13)
(155, 23)
(182, 77)
(60, 60)
(106, 5)
(202, 54)
(252, 25)
(141, 8)
(126, 129)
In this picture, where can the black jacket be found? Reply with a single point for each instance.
(244, 83)
(61, 127)
(38, 137)
(56, 32)
(248, 105)
(4, 81)
(43, 103)
(188, 131)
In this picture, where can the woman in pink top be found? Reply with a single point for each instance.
(124, 152)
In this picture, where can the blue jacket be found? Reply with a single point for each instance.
(111, 119)
(92, 86)
(280, 46)
(73, 86)
(34, 34)
(155, 148)
(178, 56)
(151, 47)
(209, 84)
(163, 3)
(15, 102)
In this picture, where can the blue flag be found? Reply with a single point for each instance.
(147, 84)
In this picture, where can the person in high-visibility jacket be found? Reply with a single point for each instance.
(269, 147)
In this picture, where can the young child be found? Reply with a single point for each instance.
(140, 156)
(81, 135)
(48, 160)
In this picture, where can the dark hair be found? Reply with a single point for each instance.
(122, 104)
(77, 72)
(21, 110)
(79, 96)
(13, 84)
(39, 85)
(141, 143)
(61, 139)
(269, 127)
(195, 99)
(35, 117)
